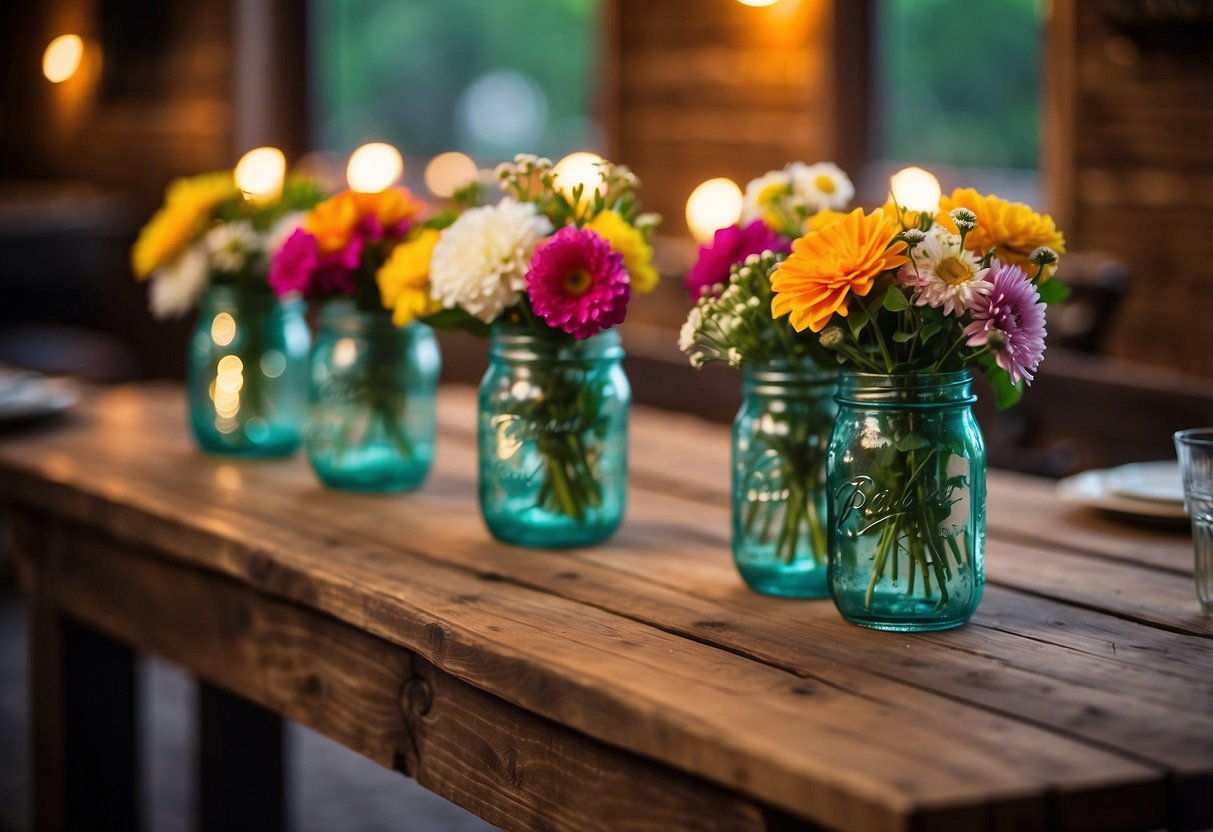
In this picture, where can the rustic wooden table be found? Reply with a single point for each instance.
(636, 685)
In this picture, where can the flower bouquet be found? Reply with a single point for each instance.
(909, 303)
(210, 245)
(780, 434)
(374, 372)
(551, 269)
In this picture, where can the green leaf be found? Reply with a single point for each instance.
(1006, 394)
(903, 337)
(913, 442)
(895, 301)
(441, 220)
(1053, 291)
(929, 331)
(457, 320)
(857, 319)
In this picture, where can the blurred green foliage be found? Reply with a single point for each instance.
(959, 81)
(394, 70)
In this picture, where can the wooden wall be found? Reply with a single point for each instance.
(708, 88)
(1130, 163)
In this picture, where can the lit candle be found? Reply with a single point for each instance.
(915, 189)
(713, 205)
(62, 58)
(260, 174)
(448, 172)
(580, 168)
(374, 167)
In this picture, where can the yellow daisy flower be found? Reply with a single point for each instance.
(188, 203)
(629, 242)
(404, 280)
(1013, 228)
(826, 267)
(823, 218)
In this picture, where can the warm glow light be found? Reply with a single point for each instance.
(580, 168)
(915, 189)
(260, 173)
(223, 329)
(448, 172)
(62, 58)
(374, 167)
(758, 3)
(713, 205)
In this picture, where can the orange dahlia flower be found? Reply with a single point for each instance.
(827, 266)
(1012, 228)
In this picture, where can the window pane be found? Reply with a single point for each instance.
(958, 81)
(487, 78)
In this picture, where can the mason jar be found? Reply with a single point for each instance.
(246, 372)
(553, 436)
(780, 537)
(374, 386)
(907, 484)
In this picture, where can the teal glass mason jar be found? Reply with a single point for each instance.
(246, 373)
(780, 539)
(374, 387)
(553, 429)
(907, 483)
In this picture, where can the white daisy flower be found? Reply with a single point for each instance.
(176, 286)
(229, 245)
(480, 262)
(820, 186)
(761, 190)
(944, 275)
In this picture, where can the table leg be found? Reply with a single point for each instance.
(83, 719)
(240, 765)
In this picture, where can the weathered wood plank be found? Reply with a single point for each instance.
(516, 770)
(299, 565)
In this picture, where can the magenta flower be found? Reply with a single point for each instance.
(292, 267)
(578, 283)
(1011, 321)
(730, 245)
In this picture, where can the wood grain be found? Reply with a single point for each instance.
(651, 644)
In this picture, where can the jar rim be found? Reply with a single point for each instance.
(513, 342)
(922, 389)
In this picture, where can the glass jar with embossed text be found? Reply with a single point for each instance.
(553, 437)
(906, 473)
(246, 372)
(372, 419)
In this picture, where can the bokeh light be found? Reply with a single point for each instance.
(374, 167)
(62, 58)
(713, 205)
(915, 189)
(260, 173)
(448, 172)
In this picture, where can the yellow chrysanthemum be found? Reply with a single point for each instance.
(333, 221)
(404, 280)
(827, 266)
(188, 203)
(629, 242)
(1013, 228)
(823, 218)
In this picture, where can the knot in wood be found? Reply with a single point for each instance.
(416, 697)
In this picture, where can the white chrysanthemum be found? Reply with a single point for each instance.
(176, 285)
(944, 275)
(821, 186)
(229, 245)
(771, 182)
(480, 262)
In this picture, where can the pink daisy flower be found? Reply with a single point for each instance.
(730, 245)
(578, 283)
(1011, 320)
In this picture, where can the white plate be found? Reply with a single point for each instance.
(1100, 489)
(1157, 481)
(31, 396)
